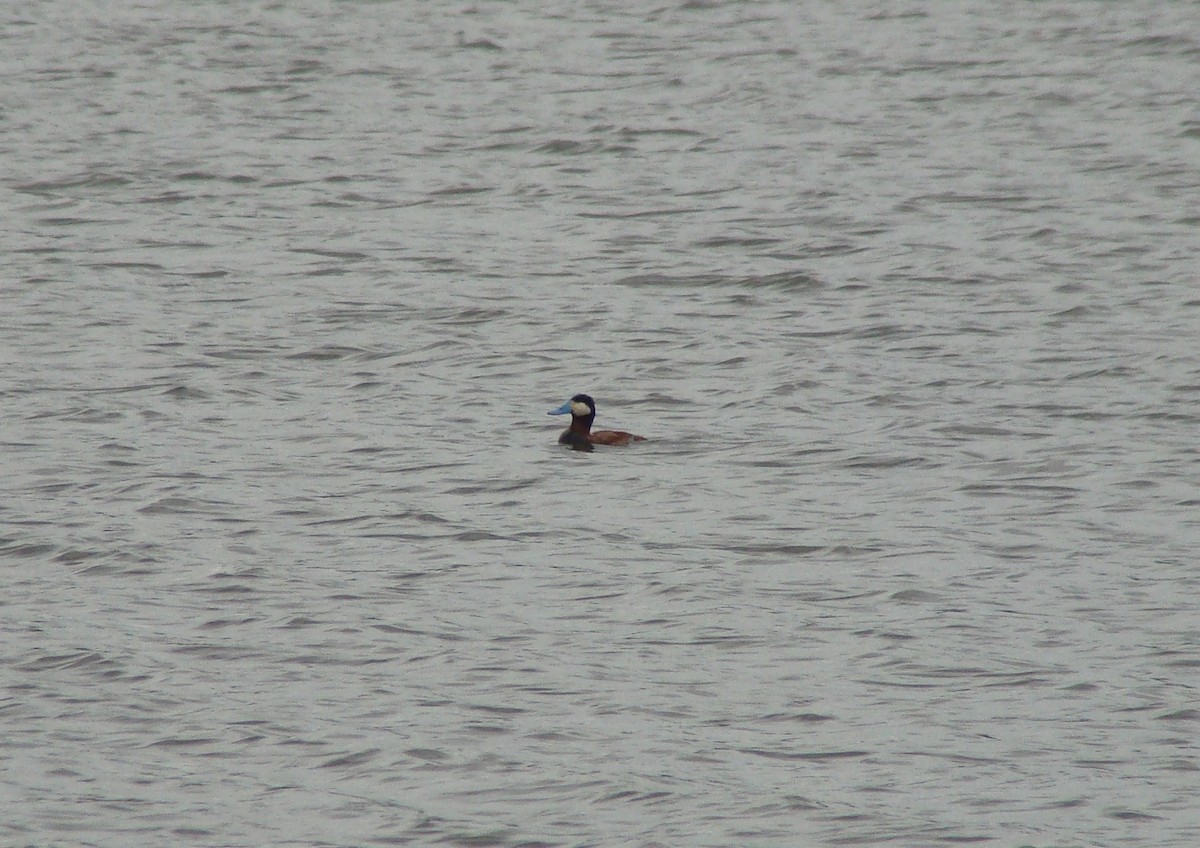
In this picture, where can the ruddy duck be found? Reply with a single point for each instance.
(580, 435)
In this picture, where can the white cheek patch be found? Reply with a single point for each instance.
(578, 408)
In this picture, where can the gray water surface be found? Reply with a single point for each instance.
(903, 295)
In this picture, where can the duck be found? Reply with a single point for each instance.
(580, 435)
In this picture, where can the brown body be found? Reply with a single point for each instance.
(581, 431)
(614, 437)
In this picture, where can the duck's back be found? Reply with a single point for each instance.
(614, 437)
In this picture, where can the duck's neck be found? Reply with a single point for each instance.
(582, 424)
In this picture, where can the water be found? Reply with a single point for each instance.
(903, 296)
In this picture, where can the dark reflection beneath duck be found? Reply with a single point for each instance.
(580, 436)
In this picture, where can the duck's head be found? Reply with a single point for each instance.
(580, 406)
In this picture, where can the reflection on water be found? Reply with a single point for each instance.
(903, 302)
